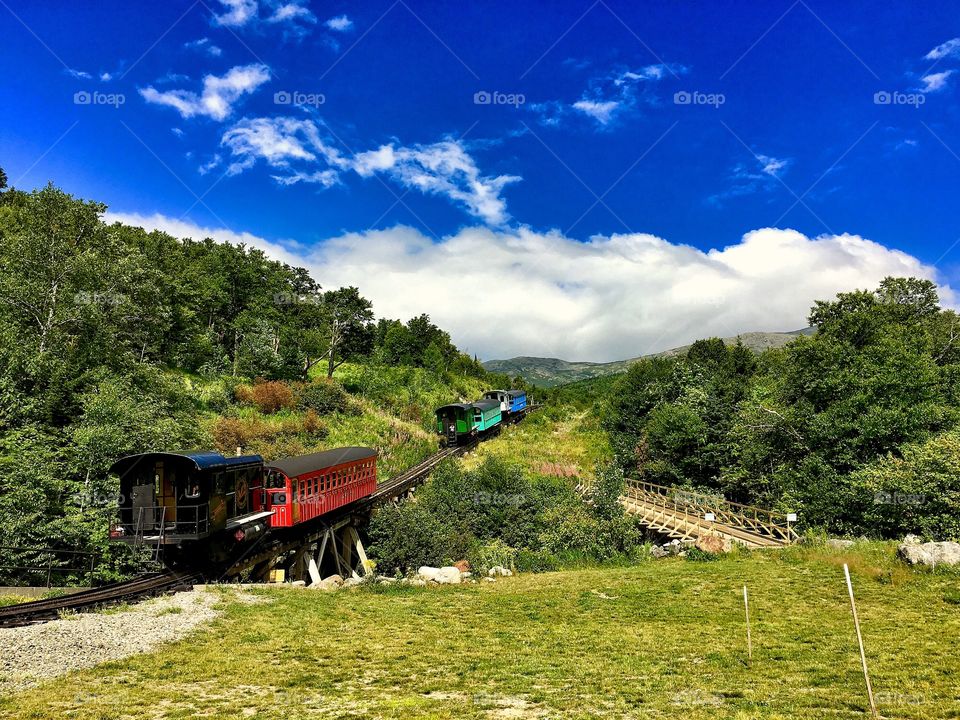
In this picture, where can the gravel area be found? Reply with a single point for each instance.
(34, 653)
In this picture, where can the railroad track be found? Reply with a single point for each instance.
(50, 609)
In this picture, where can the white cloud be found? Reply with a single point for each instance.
(340, 23)
(292, 11)
(177, 131)
(106, 77)
(211, 164)
(610, 96)
(947, 49)
(935, 81)
(204, 45)
(237, 13)
(218, 95)
(759, 177)
(443, 168)
(606, 299)
(278, 141)
(79, 74)
(602, 112)
(772, 166)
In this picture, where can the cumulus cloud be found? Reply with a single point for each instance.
(443, 168)
(935, 82)
(291, 11)
(236, 13)
(947, 49)
(340, 23)
(610, 298)
(218, 96)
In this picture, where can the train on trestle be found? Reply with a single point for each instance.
(203, 508)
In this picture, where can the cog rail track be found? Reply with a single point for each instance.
(138, 588)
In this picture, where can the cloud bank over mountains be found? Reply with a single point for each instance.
(609, 298)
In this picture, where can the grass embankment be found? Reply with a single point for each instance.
(390, 409)
(662, 639)
(553, 441)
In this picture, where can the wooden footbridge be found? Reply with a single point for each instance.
(688, 515)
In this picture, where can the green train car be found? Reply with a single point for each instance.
(461, 422)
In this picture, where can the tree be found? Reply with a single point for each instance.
(348, 326)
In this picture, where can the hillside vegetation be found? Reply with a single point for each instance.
(551, 372)
(856, 427)
(662, 639)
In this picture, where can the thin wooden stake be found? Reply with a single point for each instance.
(863, 655)
(746, 608)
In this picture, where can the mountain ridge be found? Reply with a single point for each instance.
(549, 372)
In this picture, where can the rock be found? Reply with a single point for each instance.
(298, 583)
(490, 579)
(385, 579)
(911, 539)
(499, 571)
(930, 554)
(658, 552)
(465, 575)
(414, 582)
(462, 565)
(713, 544)
(331, 583)
(352, 582)
(838, 544)
(442, 576)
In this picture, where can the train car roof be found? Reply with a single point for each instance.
(508, 393)
(485, 404)
(302, 464)
(201, 459)
(459, 406)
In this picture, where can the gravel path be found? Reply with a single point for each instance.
(34, 653)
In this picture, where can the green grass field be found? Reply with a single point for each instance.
(661, 639)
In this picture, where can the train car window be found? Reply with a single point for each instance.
(279, 499)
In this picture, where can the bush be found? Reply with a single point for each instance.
(488, 555)
(322, 397)
(272, 395)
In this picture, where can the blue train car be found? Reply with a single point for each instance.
(513, 403)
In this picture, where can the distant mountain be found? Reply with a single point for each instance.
(548, 372)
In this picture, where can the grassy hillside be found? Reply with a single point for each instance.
(549, 372)
(663, 639)
(387, 408)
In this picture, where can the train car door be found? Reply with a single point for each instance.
(167, 493)
(143, 501)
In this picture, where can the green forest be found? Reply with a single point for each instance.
(856, 427)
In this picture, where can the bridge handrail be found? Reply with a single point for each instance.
(750, 517)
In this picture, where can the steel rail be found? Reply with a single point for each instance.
(51, 608)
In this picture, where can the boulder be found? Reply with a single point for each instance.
(331, 583)
(658, 552)
(713, 544)
(442, 576)
(298, 583)
(499, 571)
(352, 582)
(930, 554)
(838, 544)
(911, 539)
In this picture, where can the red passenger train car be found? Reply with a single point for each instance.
(298, 489)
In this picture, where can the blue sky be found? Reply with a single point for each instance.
(640, 175)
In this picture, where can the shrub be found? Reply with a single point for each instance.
(272, 395)
(243, 394)
(488, 555)
(322, 397)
